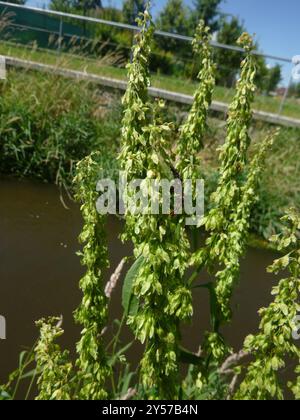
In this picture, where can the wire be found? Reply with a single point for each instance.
(136, 29)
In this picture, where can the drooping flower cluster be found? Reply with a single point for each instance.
(228, 222)
(163, 297)
(56, 378)
(53, 365)
(193, 130)
(92, 313)
(137, 109)
(236, 240)
(231, 193)
(275, 342)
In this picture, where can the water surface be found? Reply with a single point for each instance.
(39, 273)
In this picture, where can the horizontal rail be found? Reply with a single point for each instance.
(136, 29)
(154, 92)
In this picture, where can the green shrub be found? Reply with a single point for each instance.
(48, 124)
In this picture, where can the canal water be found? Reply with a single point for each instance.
(39, 273)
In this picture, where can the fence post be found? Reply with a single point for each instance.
(60, 36)
(2, 328)
(284, 98)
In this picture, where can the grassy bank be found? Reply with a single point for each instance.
(48, 124)
(279, 187)
(114, 67)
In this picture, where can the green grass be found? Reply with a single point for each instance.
(279, 188)
(105, 67)
(49, 123)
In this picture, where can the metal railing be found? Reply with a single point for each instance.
(121, 85)
(67, 17)
(136, 29)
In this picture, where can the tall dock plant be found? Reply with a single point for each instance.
(137, 109)
(214, 349)
(228, 222)
(92, 313)
(161, 245)
(56, 377)
(238, 230)
(193, 130)
(274, 343)
(54, 382)
(163, 296)
(220, 221)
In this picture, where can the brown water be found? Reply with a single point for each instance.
(39, 273)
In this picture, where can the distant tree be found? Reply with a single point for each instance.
(261, 73)
(131, 10)
(295, 90)
(267, 78)
(75, 5)
(208, 11)
(15, 1)
(110, 13)
(273, 79)
(175, 18)
(61, 5)
(228, 61)
(86, 5)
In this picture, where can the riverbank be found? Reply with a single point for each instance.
(48, 124)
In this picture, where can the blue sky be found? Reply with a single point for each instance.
(275, 22)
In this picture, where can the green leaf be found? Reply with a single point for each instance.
(129, 301)
(22, 356)
(5, 396)
(126, 380)
(213, 304)
(115, 357)
(29, 374)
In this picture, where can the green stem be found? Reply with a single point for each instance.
(116, 339)
(29, 359)
(31, 385)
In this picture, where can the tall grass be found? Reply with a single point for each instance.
(48, 124)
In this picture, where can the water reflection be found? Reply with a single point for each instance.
(39, 273)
